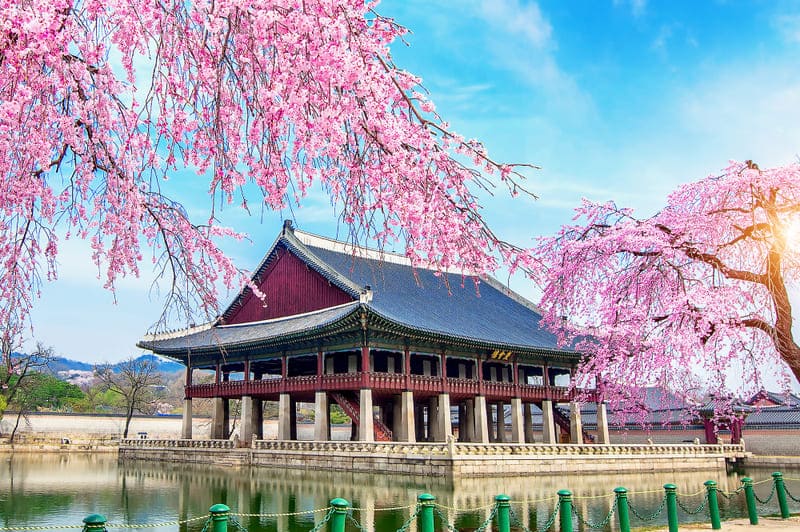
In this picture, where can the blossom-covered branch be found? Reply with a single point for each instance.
(101, 100)
(697, 291)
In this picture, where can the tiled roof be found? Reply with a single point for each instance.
(443, 303)
(447, 305)
(250, 333)
(775, 416)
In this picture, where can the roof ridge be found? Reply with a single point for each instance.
(291, 316)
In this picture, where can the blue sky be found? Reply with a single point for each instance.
(616, 99)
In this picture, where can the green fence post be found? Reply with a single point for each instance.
(713, 504)
(339, 514)
(94, 523)
(750, 497)
(672, 506)
(780, 490)
(622, 509)
(425, 522)
(503, 512)
(565, 510)
(219, 518)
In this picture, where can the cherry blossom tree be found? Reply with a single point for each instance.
(691, 296)
(103, 100)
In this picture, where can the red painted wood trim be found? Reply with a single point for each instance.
(290, 287)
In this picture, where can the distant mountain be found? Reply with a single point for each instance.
(60, 366)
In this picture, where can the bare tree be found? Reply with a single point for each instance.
(136, 380)
(15, 372)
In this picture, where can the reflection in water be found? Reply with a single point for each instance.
(62, 489)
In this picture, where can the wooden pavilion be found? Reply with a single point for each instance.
(403, 350)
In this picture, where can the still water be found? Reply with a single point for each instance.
(38, 490)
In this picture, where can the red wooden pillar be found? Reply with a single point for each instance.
(515, 377)
(407, 367)
(443, 369)
(320, 367)
(284, 373)
(711, 436)
(246, 383)
(479, 367)
(365, 366)
(218, 374)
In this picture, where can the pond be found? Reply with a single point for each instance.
(61, 489)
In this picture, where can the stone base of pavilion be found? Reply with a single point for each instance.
(439, 459)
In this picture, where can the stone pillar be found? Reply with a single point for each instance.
(246, 434)
(433, 417)
(322, 425)
(226, 419)
(527, 412)
(293, 419)
(365, 428)
(602, 424)
(575, 425)
(258, 419)
(548, 423)
(218, 418)
(419, 421)
(469, 421)
(405, 420)
(186, 428)
(481, 420)
(462, 421)
(284, 417)
(444, 421)
(517, 430)
(491, 424)
(501, 422)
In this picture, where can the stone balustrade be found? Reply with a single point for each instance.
(439, 459)
(493, 449)
(185, 444)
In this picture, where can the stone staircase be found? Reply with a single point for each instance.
(562, 420)
(350, 404)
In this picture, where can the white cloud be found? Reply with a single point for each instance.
(519, 19)
(788, 26)
(637, 7)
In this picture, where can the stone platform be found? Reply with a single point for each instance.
(439, 459)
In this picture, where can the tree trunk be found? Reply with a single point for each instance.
(20, 414)
(128, 416)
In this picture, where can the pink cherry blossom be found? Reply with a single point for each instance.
(689, 298)
(277, 93)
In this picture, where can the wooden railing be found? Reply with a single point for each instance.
(382, 382)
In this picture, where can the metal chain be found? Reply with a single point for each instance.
(515, 521)
(443, 517)
(107, 525)
(206, 525)
(769, 498)
(286, 514)
(51, 527)
(355, 522)
(408, 521)
(732, 494)
(552, 519)
(696, 510)
(651, 517)
(602, 524)
(488, 521)
(236, 524)
(786, 489)
(321, 524)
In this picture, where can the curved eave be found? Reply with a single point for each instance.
(337, 325)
